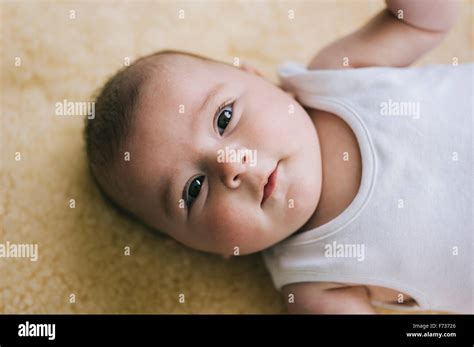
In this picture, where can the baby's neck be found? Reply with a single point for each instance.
(341, 167)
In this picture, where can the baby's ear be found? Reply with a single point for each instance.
(249, 68)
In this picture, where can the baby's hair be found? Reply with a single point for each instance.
(106, 133)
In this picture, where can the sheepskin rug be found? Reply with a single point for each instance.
(90, 258)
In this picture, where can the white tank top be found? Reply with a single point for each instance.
(410, 226)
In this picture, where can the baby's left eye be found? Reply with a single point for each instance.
(224, 118)
(193, 189)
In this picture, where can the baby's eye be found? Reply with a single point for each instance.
(223, 119)
(192, 190)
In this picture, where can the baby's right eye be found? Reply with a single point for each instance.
(223, 118)
(192, 190)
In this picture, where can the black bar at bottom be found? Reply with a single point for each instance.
(445, 330)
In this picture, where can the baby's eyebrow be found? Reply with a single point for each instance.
(212, 93)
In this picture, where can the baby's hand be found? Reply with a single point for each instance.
(397, 36)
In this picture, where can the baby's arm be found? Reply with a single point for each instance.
(326, 298)
(397, 36)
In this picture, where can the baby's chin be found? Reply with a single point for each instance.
(257, 232)
(229, 249)
(278, 228)
(239, 244)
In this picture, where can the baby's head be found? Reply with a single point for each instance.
(186, 144)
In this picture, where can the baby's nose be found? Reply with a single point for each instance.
(231, 164)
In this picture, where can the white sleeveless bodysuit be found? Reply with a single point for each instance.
(410, 226)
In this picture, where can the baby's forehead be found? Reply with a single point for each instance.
(181, 68)
(182, 83)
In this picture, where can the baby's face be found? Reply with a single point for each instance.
(205, 140)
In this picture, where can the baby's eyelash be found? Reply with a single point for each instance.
(224, 105)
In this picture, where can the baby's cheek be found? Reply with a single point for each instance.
(231, 228)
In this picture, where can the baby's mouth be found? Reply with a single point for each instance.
(270, 185)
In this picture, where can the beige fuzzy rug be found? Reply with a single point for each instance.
(51, 51)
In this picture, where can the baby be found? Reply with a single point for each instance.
(354, 179)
